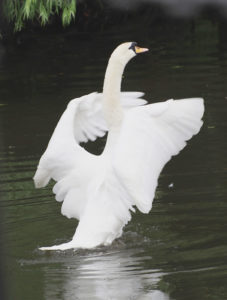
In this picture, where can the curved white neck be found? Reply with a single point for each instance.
(112, 108)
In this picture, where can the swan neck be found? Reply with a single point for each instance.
(113, 77)
(113, 111)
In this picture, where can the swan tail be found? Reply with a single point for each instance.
(64, 246)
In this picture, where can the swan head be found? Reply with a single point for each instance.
(126, 51)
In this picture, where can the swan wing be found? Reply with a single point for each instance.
(81, 121)
(103, 213)
(89, 122)
(63, 151)
(150, 136)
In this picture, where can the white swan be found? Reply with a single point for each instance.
(100, 191)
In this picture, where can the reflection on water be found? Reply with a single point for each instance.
(179, 250)
(115, 275)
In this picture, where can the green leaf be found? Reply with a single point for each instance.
(17, 11)
(43, 14)
(27, 6)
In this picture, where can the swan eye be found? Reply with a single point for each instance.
(133, 46)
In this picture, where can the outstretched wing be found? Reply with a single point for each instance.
(150, 136)
(82, 121)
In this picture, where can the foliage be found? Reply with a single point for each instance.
(20, 11)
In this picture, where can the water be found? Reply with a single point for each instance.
(178, 250)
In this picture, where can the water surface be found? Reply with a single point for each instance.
(178, 250)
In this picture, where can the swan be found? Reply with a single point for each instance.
(101, 191)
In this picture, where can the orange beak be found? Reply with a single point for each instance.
(140, 50)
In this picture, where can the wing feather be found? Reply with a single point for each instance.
(82, 121)
(89, 122)
(150, 136)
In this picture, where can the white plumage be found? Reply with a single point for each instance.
(100, 191)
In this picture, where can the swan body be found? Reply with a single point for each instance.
(102, 191)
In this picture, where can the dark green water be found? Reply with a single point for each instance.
(177, 251)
